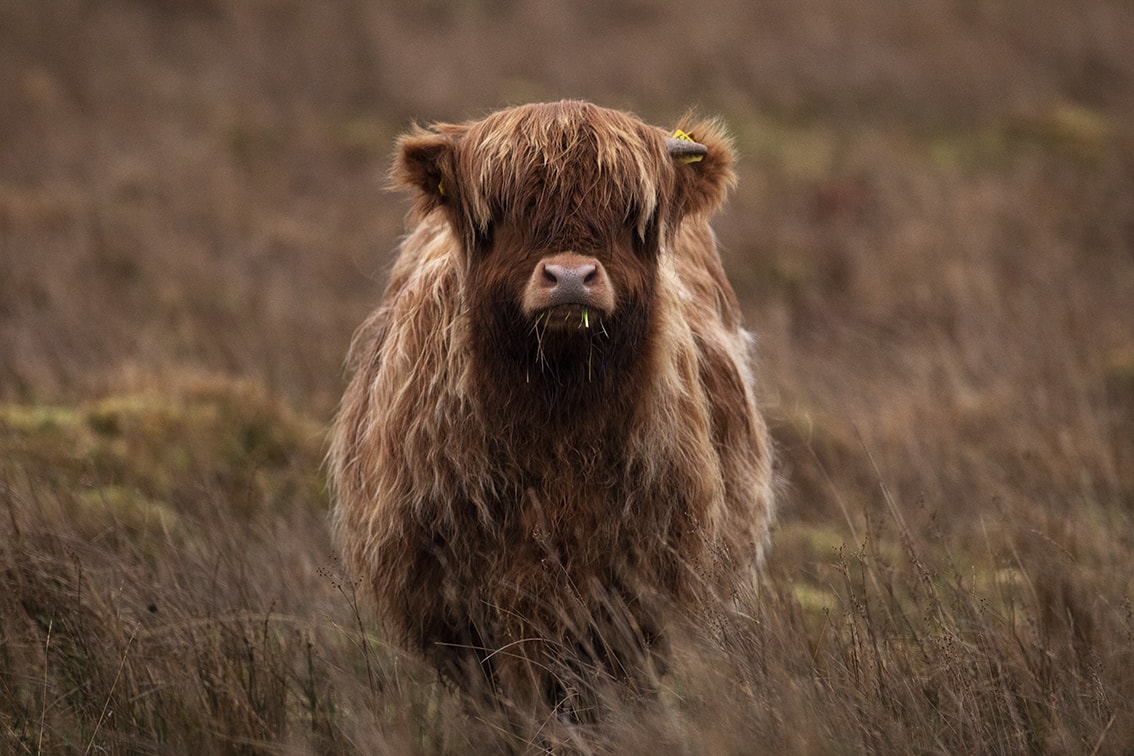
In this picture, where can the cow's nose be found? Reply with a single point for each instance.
(570, 282)
(569, 279)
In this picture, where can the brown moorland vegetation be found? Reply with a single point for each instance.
(933, 237)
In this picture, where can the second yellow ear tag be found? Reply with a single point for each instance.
(679, 134)
(441, 188)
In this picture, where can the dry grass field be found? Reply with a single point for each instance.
(933, 237)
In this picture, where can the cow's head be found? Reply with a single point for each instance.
(562, 211)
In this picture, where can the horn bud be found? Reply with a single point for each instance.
(685, 150)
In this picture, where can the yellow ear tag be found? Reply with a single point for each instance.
(441, 188)
(679, 134)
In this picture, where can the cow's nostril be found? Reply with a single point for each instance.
(549, 276)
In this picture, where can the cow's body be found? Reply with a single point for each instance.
(550, 438)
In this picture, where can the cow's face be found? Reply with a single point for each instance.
(560, 285)
(568, 305)
(562, 211)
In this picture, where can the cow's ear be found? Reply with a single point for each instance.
(703, 156)
(425, 162)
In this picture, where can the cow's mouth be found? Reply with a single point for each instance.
(571, 318)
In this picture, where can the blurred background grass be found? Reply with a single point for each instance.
(933, 237)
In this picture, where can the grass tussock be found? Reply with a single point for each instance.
(932, 238)
(185, 622)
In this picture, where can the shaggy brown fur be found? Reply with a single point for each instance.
(531, 491)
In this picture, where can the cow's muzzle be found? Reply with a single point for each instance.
(570, 289)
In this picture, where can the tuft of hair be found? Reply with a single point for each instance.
(555, 165)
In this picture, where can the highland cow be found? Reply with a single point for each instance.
(550, 441)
